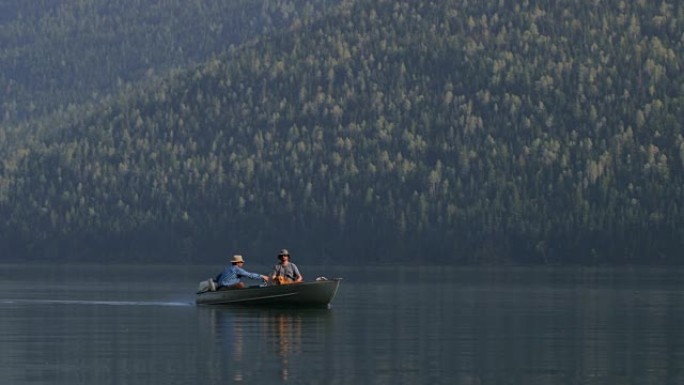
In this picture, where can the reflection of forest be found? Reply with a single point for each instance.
(244, 333)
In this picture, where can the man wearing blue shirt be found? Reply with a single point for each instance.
(231, 275)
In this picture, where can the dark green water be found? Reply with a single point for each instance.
(391, 325)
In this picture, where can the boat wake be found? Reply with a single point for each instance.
(86, 302)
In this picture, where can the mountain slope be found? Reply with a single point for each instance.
(438, 131)
(59, 53)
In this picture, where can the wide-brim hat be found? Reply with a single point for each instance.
(237, 258)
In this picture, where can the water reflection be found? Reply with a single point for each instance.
(287, 338)
(255, 342)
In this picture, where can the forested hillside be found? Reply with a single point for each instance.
(56, 53)
(428, 131)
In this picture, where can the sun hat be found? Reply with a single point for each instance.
(237, 258)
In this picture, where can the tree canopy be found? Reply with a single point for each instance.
(437, 131)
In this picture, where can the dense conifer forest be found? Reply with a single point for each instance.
(380, 131)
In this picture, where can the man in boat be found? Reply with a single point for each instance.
(231, 275)
(285, 272)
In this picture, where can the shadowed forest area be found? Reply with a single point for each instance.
(348, 131)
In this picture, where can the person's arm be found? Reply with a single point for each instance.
(244, 273)
(297, 274)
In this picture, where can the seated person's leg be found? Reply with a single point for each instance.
(238, 285)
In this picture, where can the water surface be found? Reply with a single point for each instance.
(80, 324)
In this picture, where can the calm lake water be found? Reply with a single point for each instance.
(81, 324)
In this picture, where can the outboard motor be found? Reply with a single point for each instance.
(208, 285)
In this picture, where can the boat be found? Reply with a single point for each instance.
(318, 293)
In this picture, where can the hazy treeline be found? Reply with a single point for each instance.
(58, 52)
(466, 132)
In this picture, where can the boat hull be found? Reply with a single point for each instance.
(312, 294)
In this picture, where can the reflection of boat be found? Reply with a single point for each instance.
(277, 336)
(316, 293)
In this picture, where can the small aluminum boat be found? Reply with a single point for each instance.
(318, 293)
